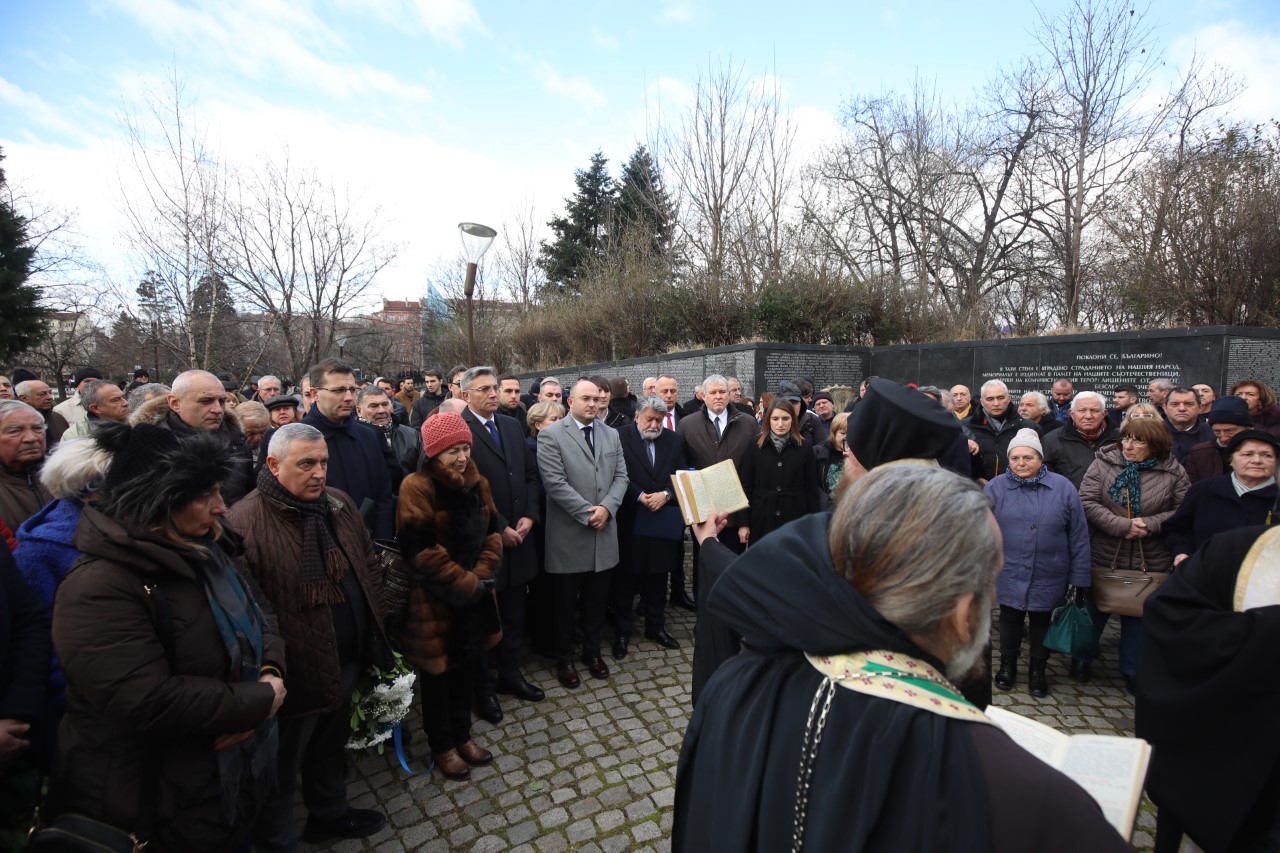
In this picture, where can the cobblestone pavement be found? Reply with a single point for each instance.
(593, 769)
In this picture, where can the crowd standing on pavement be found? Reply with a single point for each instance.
(193, 589)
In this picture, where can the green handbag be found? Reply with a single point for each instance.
(1071, 630)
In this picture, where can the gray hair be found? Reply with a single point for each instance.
(286, 435)
(76, 468)
(714, 379)
(471, 375)
(943, 395)
(992, 383)
(15, 406)
(654, 402)
(262, 379)
(1041, 401)
(143, 393)
(89, 396)
(1165, 385)
(370, 391)
(913, 540)
(1089, 395)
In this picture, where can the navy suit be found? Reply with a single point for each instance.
(512, 472)
(646, 560)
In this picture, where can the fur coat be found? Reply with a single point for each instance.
(449, 536)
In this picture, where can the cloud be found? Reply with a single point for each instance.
(36, 108)
(266, 38)
(676, 12)
(604, 41)
(575, 88)
(1251, 54)
(447, 19)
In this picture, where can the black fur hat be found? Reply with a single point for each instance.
(156, 472)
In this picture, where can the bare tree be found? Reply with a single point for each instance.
(173, 191)
(302, 252)
(1099, 59)
(515, 261)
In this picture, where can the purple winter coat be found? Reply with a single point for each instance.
(1046, 541)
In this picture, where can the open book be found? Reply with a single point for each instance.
(702, 494)
(1112, 769)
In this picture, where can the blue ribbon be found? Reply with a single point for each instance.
(398, 736)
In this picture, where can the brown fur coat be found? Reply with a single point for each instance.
(448, 535)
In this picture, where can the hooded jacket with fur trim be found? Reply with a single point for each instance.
(157, 413)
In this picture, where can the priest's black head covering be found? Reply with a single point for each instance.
(896, 422)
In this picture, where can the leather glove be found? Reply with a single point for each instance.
(1080, 596)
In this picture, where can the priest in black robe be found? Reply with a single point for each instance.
(839, 726)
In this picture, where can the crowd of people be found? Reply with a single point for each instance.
(193, 589)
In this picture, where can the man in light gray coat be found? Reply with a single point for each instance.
(585, 477)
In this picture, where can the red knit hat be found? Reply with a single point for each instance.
(442, 431)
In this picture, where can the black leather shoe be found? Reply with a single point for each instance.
(520, 688)
(682, 600)
(1081, 671)
(1008, 674)
(619, 647)
(356, 823)
(488, 709)
(568, 676)
(596, 666)
(1037, 683)
(663, 639)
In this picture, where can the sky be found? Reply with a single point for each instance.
(433, 112)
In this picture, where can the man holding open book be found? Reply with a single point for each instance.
(857, 627)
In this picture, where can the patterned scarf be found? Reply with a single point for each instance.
(1130, 480)
(1033, 481)
(323, 563)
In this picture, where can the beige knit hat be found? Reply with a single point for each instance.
(1027, 437)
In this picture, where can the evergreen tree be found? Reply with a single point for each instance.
(23, 323)
(643, 202)
(580, 234)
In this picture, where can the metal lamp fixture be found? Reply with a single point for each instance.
(476, 240)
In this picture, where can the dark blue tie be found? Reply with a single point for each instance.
(493, 431)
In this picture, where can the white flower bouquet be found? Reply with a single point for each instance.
(379, 704)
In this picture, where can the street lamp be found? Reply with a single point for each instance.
(476, 240)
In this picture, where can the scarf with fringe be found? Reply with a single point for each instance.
(323, 563)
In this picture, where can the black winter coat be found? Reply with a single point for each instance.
(512, 474)
(24, 646)
(1066, 453)
(780, 486)
(1212, 506)
(356, 467)
(993, 444)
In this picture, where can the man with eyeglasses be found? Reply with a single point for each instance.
(355, 452)
(197, 401)
(455, 382)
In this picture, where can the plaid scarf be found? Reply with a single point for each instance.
(323, 563)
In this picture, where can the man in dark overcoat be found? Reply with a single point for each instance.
(650, 527)
(499, 451)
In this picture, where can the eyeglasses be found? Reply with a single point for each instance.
(342, 389)
(1130, 440)
(1137, 416)
(482, 389)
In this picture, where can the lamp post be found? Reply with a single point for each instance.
(476, 240)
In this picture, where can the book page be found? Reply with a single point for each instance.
(1113, 771)
(723, 488)
(1042, 741)
(690, 496)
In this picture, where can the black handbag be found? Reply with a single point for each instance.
(396, 581)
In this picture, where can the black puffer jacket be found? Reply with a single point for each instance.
(993, 442)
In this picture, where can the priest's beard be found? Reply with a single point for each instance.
(968, 661)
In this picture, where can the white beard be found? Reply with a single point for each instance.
(966, 662)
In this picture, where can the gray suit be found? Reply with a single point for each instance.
(575, 480)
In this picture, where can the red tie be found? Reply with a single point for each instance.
(670, 425)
